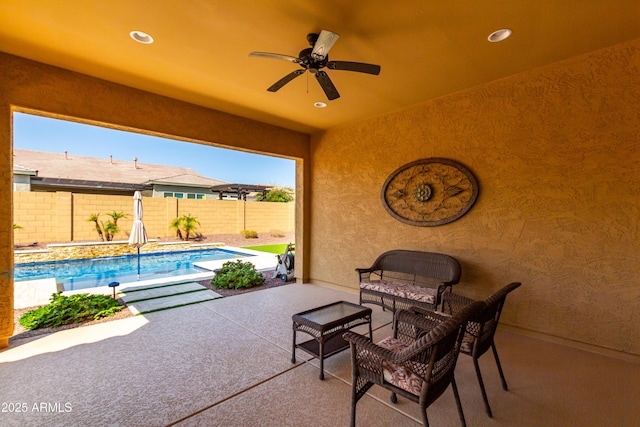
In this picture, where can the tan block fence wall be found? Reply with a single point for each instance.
(62, 216)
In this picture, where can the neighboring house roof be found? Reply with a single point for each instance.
(20, 170)
(69, 167)
(187, 179)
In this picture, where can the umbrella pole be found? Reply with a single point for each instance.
(138, 262)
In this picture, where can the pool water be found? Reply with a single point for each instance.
(94, 272)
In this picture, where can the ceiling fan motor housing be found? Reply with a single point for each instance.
(309, 63)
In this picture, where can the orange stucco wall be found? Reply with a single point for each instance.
(556, 152)
(35, 87)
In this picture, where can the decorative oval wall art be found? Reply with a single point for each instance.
(429, 192)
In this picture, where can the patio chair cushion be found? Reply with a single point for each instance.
(467, 343)
(399, 375)
(402, 290)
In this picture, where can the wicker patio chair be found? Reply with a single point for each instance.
(417, 363)
(480, 330)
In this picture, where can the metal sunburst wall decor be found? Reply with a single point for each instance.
(429, 192)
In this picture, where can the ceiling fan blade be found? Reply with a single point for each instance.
(360, 67)
(327, 86)
(286, 79)
(275, 56)
(323, 45)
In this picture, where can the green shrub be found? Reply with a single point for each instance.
(280, 195)
(63, 310)
(249, 234)
(236, 275)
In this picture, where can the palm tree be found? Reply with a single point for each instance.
(189, 224)
(110, 229)
(116, 216)
(176, 223)
(95, 218)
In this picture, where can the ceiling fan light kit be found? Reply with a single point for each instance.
(314, 59)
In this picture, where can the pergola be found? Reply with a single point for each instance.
(240, 189)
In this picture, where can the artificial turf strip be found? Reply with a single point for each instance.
(165, 296)
(176, 306)
(273, 249)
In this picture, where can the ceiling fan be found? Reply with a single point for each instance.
(314, 59)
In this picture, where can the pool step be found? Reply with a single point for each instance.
(141, 294)
(141, 301)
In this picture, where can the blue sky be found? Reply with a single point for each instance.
(51, 135)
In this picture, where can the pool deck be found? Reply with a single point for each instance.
(30, 293)
(34, 292)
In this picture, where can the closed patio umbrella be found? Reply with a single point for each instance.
(138, 236)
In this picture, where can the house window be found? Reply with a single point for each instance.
(176, 195)
(195, 196)
(192, 196)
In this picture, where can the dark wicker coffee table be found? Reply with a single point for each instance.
(326, 325)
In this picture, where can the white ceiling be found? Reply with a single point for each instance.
(426, 49)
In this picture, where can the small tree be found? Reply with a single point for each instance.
(189, 225)
(95, 218)
(115, 216)
(176, 224)
(108, 230)
(185, 225)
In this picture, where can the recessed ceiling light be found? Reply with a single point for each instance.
(141, 37)
(499, 35)
(320, 104)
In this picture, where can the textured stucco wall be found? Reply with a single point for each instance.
(31, 86)
(556, 152)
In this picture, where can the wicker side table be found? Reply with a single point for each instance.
(326, 325)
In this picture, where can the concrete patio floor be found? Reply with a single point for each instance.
(227, 362)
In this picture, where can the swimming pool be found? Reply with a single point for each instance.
(94, 272)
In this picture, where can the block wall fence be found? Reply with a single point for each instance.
(62, 216)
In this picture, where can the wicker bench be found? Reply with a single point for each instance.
(400, 278)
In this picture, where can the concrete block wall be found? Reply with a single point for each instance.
(263, 217)
(158, 214)
(36, 214)
(62, 216)
(84, 205)
(215, 216)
